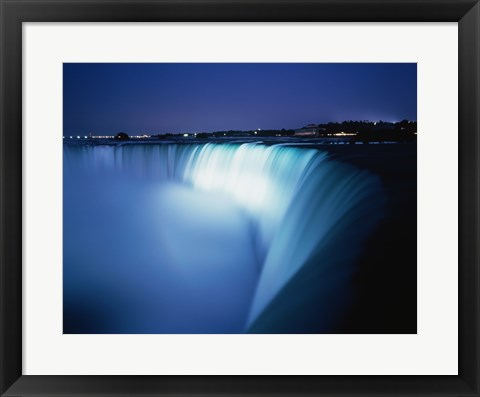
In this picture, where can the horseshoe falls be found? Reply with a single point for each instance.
(212, 237)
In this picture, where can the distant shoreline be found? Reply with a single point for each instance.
(300, 141)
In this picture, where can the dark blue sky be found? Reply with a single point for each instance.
(172, 98)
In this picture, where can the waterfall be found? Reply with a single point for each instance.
(310, 215)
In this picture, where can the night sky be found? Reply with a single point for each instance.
(174, 98)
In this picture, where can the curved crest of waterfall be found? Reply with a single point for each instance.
(310, 215)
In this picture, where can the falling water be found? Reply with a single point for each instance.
(250, 235)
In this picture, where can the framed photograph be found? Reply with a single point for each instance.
(239, 197)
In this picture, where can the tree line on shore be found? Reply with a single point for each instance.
(364, 130)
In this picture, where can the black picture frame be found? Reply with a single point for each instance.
(15, 12)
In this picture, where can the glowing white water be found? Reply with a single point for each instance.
(301, 203)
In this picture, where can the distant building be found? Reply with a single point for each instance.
(310, 130)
